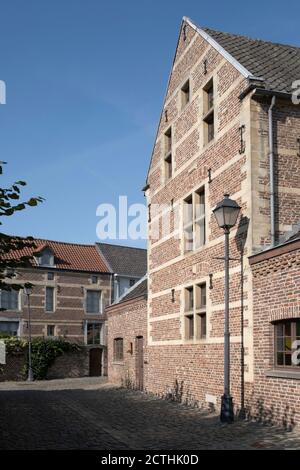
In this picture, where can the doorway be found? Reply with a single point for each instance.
(139, 371)
(95, 362)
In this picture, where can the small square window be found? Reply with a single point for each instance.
(185, 94)
(94, 279)
(50, 276)
(50, 330)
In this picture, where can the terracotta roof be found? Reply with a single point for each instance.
(124, 260)
(68, 256)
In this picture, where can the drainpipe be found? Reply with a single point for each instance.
(271, 164)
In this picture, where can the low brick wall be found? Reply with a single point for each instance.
(14, 367)
(69, 365)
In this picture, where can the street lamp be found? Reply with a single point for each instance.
(226, 213)
(28, 292)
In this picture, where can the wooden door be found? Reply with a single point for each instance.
(140, 363)
(95, 362)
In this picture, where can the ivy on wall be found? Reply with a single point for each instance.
(44, 352)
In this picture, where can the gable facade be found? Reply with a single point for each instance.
(233, 160)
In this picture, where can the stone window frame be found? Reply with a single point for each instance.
(168, 156)
(54, 331)
(209, 111)
(195, 312)
(94, 322)
(101, 306)
(19, 306)
(192, 222)
(185, 94)
(54, 298)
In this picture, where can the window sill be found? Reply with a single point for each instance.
(118, 363)
(283, 374)
(206, 145)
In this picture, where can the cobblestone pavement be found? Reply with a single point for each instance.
(90, 414)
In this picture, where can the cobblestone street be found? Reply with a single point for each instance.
(88, 414)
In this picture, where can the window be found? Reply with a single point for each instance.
(208, 112)
(94, 279)
(188, 225)
(286, 335)
(9, 299)
(189, 299)
(9, 328)
(50, 330)
(168, 155)
(46, 258)
(50, 276)
(200, 311)
(49, 303)
(194, 221)
(93, 333)
(93, 301)
(185, 94)
(118, 349)
(195, 312)
(132, 282)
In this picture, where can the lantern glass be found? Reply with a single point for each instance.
(227, 212)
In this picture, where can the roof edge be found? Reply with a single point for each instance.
(222, 51)
(131, 289)
(274, 251)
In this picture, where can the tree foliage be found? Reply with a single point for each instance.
(10, 203)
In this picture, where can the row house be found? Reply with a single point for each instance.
(230, 123)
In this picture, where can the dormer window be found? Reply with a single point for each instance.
(45, 258)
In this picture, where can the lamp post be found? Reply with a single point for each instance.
(28, 292)
(226, 213)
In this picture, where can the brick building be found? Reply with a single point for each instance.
(127, 337)
(228, 112)
(73, 284)
(129, 264)
(276, 325)
(71, 287)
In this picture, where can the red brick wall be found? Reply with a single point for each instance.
(128, 320)
(69, 316)
(276, 297)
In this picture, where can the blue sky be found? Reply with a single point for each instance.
(85, 83)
